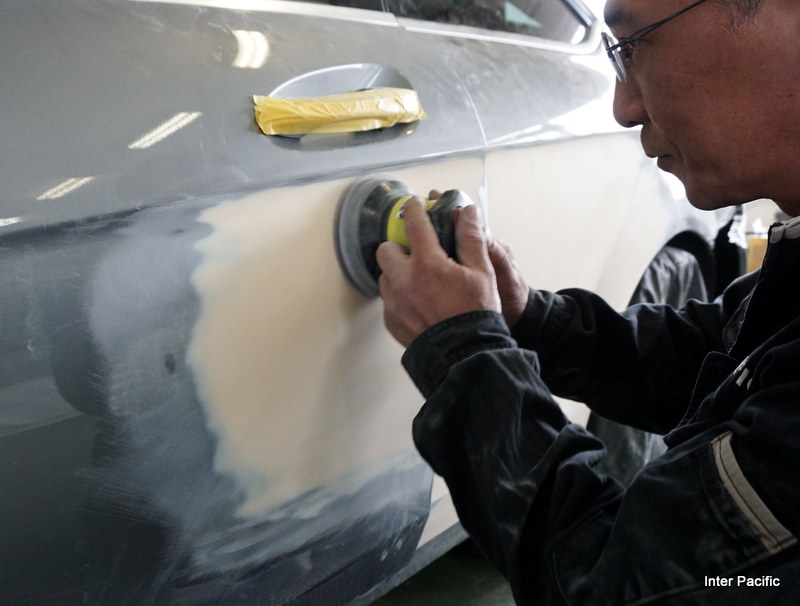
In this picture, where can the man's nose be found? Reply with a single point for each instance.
(629, 108)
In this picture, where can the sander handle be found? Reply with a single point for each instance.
(444, 216)
(443, 213)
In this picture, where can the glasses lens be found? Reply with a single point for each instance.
(612, 51)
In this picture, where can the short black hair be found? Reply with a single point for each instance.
(739, 8)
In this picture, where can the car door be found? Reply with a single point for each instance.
(195, 405)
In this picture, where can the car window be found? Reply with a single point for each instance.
(551, 19)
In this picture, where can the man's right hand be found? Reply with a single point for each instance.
(421, 286)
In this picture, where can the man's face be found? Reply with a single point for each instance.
(718, 104)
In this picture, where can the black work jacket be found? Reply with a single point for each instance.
(712, 521)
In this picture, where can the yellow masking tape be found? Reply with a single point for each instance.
(345, 112)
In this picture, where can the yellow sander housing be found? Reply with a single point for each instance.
(371, 212)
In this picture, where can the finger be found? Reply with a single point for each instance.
(500, 254)
(500, 247)
(420, 232)
(384, 285)
(505, 267)
(434, 194)
(471, 244)
(390, 255)
(503, 263)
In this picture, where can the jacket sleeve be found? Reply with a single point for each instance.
(506, 451)
(523, 482)
(617, 361)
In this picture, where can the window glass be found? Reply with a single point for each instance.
(375, 5)
(551, 19)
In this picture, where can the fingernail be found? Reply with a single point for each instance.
(478, 213)
(416, 200)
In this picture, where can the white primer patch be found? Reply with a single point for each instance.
(301, 382)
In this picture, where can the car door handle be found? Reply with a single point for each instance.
(348, 84)
(356, 111)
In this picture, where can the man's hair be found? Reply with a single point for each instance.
(742, 9)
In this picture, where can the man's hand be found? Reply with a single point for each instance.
(511, 284)
(423, 286)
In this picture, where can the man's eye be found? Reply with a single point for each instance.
(626, 52)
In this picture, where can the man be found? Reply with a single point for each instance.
(715, 86)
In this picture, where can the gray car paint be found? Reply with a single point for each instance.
(110, 495)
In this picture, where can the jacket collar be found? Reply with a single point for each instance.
(775, 299)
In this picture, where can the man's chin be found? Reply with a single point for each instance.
(703, 201)
(667, 164)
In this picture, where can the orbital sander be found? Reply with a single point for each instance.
(371, 212)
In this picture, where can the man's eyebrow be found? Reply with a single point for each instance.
(618, 18)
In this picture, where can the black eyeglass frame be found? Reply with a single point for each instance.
(613, 46)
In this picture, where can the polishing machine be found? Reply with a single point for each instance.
(371, 212)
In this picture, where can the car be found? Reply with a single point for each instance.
(196, 406)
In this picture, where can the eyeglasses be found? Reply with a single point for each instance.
(621, 51)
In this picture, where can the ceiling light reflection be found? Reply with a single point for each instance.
(253, 49)
(161, 132)
(9, 221)
(65, 187)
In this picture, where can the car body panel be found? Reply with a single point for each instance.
(195, 405)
